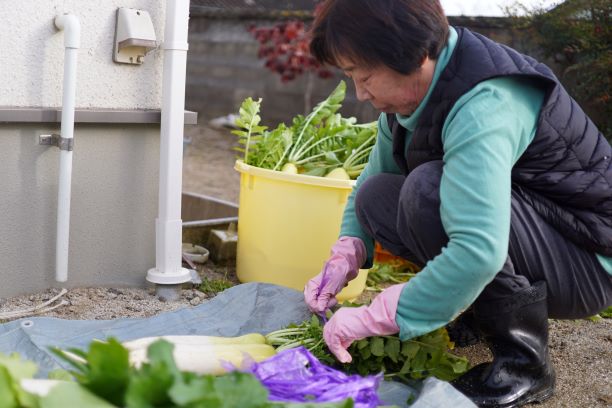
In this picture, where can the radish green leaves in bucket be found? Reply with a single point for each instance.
(323, 143)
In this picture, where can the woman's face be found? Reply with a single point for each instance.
(388, 90)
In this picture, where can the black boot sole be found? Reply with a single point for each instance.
(537, 398)
(543, 392)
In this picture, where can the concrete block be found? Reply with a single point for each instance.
(222, 244)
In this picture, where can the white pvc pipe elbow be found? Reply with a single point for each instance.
(71, 26)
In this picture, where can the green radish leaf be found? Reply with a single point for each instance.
(12, 370)
(410, 349)
(16, 367)
(449, 366)
(199, 391)
(331, 158)
(8, 397)
(365, 352)
(241, 390)
(377, 346)
(240, 133)
(459, 364)
(109, 370)
(72, 395)
(418, 364)
(406, 367)
(248, 121)
(149, 385)
(321, 112)
(434, 356)
(234, 389)
(362, 344)
(160, 353)
(392, 348)
(442, 372)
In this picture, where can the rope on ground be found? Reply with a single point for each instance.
(42, 308)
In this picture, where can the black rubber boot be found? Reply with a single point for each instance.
(516, 330)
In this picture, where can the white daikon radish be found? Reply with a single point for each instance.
(144, 342)
(209, 359)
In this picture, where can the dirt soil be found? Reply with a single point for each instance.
(581, 350)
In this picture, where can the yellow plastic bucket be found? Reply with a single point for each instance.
(287, 224)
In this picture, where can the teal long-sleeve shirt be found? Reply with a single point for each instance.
(485, 133)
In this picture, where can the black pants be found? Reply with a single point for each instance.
(403, 215)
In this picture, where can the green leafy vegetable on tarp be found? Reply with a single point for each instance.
(105, 379)
(106, 372)
(417, 358)
(159, 383)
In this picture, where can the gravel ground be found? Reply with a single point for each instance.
(113, 303)
(581, 350)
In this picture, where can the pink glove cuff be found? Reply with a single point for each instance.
(350, 324)
(383, 309)
(353, 250)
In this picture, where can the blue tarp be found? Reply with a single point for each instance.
(242, 309)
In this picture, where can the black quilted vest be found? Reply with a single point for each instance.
(565, 173)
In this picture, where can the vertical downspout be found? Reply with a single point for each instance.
(168, 273)
(72, 34)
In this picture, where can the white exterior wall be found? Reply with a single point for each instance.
(116, 152)
(113, 208)
(32, 54)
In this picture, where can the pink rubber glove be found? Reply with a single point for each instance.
(349, 324)
(347, 256)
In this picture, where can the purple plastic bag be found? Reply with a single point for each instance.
(295, 375)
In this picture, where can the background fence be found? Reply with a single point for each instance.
(223, 68)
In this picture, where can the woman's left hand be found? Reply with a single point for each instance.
(349, 324)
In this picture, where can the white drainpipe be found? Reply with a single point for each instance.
(69, 23)
(168, 273)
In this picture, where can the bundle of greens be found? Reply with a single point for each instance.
(416, 358)
(308, 334)
(323, 143)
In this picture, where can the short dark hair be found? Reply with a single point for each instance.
(395, 33)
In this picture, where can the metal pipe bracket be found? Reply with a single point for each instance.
(64, 143)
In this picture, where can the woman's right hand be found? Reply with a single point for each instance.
(347, 256)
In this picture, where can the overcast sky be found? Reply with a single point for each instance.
(490, 8)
